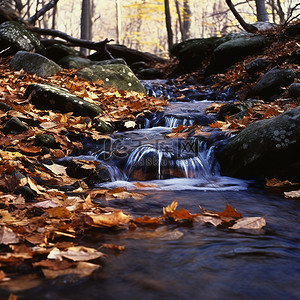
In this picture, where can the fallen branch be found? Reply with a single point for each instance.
(74, 41)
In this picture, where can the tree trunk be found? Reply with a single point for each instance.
(262, 14)
(85, 24)
(168, 24)
(180, 21)
(119, 24)
(186, 19)
(246, 26)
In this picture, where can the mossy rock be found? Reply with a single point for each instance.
(232, 51)
(58, 51)
(34, 63)
(45, 96)
(267, 147)
(271, 82)
(15, 36)
(74, 62)
(118, 76)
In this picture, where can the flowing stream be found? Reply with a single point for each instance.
(191, 261)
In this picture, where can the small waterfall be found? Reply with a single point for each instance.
(149, 163)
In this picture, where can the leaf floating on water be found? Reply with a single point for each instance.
(292, 194)
(230, 212)
(82, 269)
(111, 219)
(208, 219)
(79, 253)
(147, 221)
(54, 265)
(114, 247)
(249, 223)
(170, 208)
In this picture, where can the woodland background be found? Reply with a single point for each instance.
(141, 25)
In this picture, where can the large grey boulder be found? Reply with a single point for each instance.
(45, 96)
(268, 147)
(232, 51)
(271, 82)
(118, 76)
(15, 36)
(34, 63)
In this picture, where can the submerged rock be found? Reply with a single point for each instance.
(15, 36)
(267, 147)
(116, 75)
(34, 63)
(45, 96)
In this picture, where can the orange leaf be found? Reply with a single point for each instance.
(59, 212)
(146, 221)
(229, 212)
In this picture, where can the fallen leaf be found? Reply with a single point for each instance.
(170, 208)
(147, 221)
(110, 219)
(56, 169)
(7, 236)
(114, 247)
(292, 194)
(230, 212)
(249, 223)
(82, 269)
(208, 219)
(54, 264)
(59, 213)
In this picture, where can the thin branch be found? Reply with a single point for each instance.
(290, 18)
(42, 11)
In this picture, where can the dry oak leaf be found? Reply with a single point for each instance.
(7, 236)
(181, 214)
(292, 194)
(79, 253)
(59, 213)
(110, 219)
(54, 264)
(147, 221)
(81, 269)
(228, 212)
(249, 223)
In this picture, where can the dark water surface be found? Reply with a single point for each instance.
(195, 261)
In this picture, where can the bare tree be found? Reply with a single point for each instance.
(168, 24)
(85, 24)
(262, 14)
